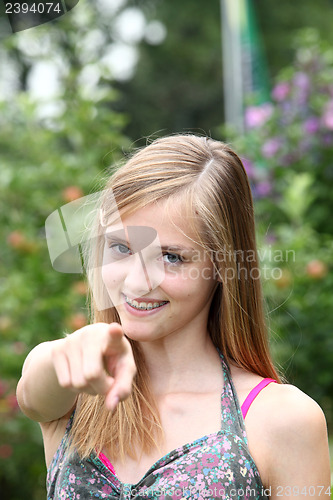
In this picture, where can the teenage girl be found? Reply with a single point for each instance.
(171, 392)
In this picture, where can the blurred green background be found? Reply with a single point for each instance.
(78, 92)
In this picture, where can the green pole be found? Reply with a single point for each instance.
(244, 68)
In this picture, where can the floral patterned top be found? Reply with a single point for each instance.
(216, 466)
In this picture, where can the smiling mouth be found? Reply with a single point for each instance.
(144, 306)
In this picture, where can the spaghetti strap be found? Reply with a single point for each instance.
(221, 458)
(254, 393)
(106, 462)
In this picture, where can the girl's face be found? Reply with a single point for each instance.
(160, 281)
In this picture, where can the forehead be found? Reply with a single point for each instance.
(171, 223)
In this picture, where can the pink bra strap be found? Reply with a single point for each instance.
(107, 462)
(254, 393)
(245, 408)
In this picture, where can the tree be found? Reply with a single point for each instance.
(288, 153)
(53, 152)
(178, 83)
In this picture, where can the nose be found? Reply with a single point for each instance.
(137, 281)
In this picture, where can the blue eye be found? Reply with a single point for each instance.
(120, 249)
(172, 258)
(123, 249)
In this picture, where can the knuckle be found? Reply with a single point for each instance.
(79, 382)
(92, 375)
(65, 384)
(81, 386)
(58, 347)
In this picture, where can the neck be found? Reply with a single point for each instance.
(177, 365)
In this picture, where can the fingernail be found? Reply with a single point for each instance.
(114, 402)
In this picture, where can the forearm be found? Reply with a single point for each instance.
(39, 394)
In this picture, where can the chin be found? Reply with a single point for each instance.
(139, 336)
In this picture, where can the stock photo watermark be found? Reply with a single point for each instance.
(21, 16)
(237, 493)
(93, 226)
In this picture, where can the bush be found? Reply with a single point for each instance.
(288, 154)
(45, 164)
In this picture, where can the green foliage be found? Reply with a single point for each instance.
(278, 22)
(288, 153)
(47, 161)
(177, 85)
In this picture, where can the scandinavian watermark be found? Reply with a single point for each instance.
(71, 238)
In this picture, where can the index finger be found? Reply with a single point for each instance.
(114, 340)
(124, 373)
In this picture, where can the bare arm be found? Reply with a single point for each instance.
(96, 359)
(39, 393)
(299, 458)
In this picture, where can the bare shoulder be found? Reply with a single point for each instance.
(281, 406)
(288, 417)
(289, 408)
(287, 435)
(294, 442)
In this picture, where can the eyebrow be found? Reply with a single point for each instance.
(112, 237)
(164, 248)
(176, 248)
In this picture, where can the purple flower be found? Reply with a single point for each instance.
(263, 189)
(328, 121)
(328, 116)
(302, 81)
(311, 125)
(255, 116)
(107, 489)
(271, 147)
(281, 91)
(302, 84)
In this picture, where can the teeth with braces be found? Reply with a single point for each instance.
(143, 306)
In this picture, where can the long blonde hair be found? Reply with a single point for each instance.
(211, 183)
